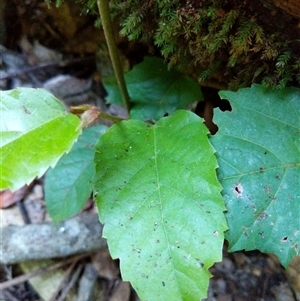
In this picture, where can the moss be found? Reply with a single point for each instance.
(231, 42)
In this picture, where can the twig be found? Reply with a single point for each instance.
(64, 281)
(87, 283)
(23, 211)
(9, 296)
(71, 283)
(47, 240)
(103, 7)
(23, 278)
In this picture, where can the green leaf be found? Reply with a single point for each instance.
(35, 131)
(258, 153)
(68, 184)
(154, 90)
(160, 201)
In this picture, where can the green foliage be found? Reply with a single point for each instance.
(157, 188)
(258, 153)
(74, 170)
(172, 90)
(35, 131)
(160, 202)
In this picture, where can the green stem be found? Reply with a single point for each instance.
(103, 7)
(110, 117)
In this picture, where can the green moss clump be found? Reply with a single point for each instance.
(229, 42)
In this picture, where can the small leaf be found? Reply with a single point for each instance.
(160, 201)
(87, 113)
(154, 90)
(35, 131)
(258, 153)
(68, 184)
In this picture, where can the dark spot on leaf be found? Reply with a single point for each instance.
(245, 232)
(261, 169)
(277, 177)
(163, 284)
(26, 110)
(265, 152)
(263, 215)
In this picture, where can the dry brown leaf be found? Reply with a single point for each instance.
(122, 292)
(105, 265)
(293, 275)
(9, 198)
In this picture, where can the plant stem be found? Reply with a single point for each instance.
(110, 117)
(103, 7)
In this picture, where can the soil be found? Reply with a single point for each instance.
(241, 276)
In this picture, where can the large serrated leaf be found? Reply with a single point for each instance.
(35, 131)
(154, 90)
(160, 201)
(258, 152)
(68, 184)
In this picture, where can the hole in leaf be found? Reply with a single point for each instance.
(238, 190)
(284, 239)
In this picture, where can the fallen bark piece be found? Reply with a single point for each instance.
(79, 234)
